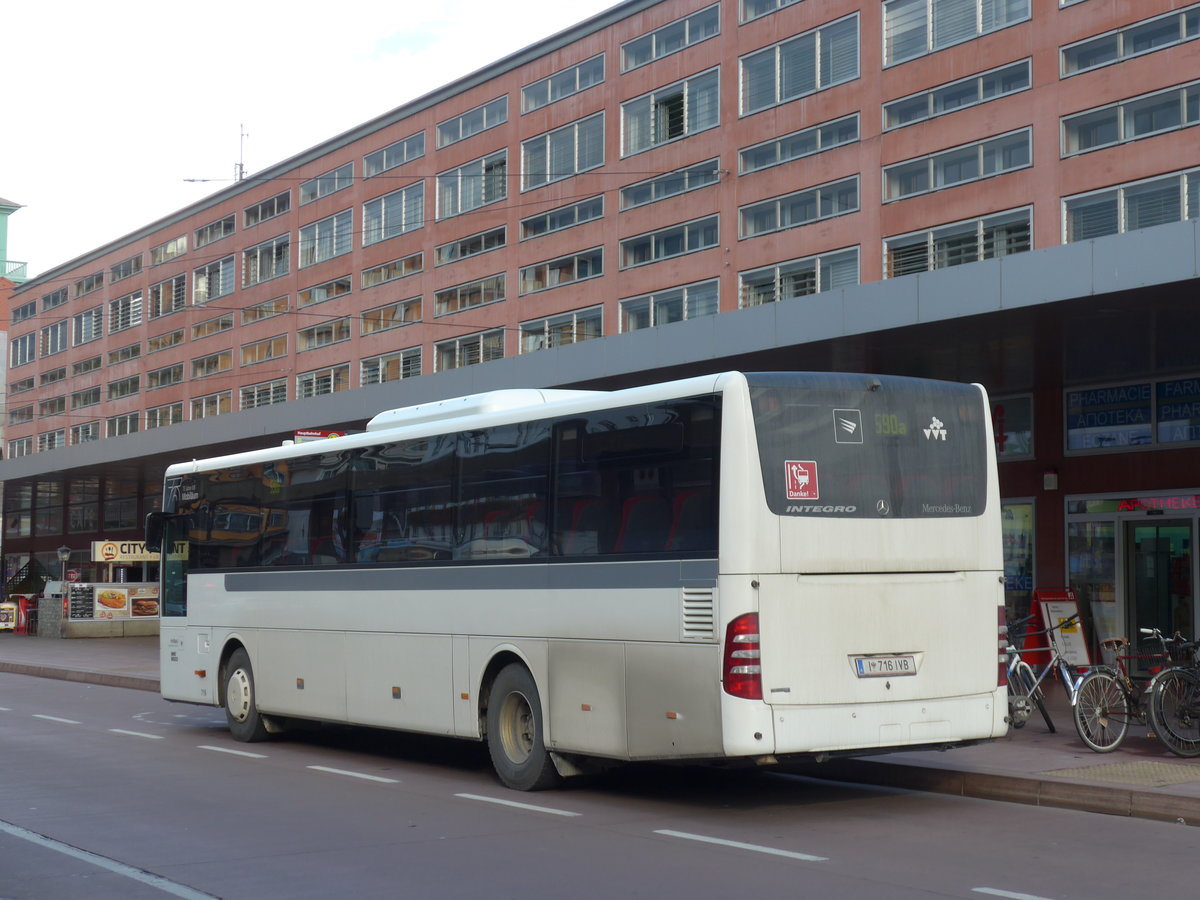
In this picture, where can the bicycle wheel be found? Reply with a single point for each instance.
(1101, 712)
(1020, 705)
(1175, 711)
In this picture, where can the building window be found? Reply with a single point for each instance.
(24, 349)
(677, 240)
(125, 269)
(960, 165)
(327, 238)
(563, 217)
(214, 231)
(956, 95)
(125, 312)
(671, 38)
(323, 381)
(473, 185)
(1133, 40)
(670, 113)
(800, 66)
(469, 350)
(567, 328)
(83, 367)
(672, 183)
(82, 434)
(691, 301)
(1131, 120)
(162, 416)
(799, 144)
(563, 84)
(25, 385)
(122, 425)
(124, 354)
(266, 394)
(212, 281)
(168, 296)
(87, 326)
(472, 122)
(962, 242)
(85, 398)
(20, 447)
(261, 351)
(163, 341)
(24, 311)
(164, 377)
(390, 271)
(798, 278)
(212, 405)
(470, 246)
(21, 415)
(266, 310)
(52, 300)
(564, 152)
(323, 335)
(392, 366)
(52, 406)
(913, 28)
(51, 440)
(837, 198)
(564, 270)
(89, 284)
(268, 209)
(394, 214)
(394, 155)
(319, 293)
(267, 260)
(1128, 207)
(169, 250)
(753, 9)
(466, 296)
(329, 183)
(393, 315)
(213, 364)
(54, 338)
(53, 376)
(212, 326)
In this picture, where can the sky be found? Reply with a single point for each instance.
(120, 113)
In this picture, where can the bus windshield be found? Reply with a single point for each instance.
(870, 446)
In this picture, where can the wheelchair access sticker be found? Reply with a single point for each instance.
(800, 477)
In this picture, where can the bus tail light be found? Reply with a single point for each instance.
(1001, 647)
(741, 672)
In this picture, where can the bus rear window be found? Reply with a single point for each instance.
(865, 446)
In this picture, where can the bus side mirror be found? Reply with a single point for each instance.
(154, 531)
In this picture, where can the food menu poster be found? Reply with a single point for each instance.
(120, 601)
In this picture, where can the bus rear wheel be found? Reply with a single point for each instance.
(514, 732)
(241, 709)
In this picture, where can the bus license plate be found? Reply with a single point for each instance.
(880, 666)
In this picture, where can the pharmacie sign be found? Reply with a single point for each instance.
(124, 552)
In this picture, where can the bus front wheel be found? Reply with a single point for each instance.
(241, 709)
(514, 732)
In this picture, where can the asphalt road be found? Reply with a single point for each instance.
(107, 792)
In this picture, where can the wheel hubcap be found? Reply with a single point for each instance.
(237, 694)
(516, 728)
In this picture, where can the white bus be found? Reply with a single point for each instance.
(736, 567)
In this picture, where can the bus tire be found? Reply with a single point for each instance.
(241, 708)
(515, 732)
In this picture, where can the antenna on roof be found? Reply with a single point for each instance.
(239, 170)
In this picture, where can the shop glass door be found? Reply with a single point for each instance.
(1159, 576)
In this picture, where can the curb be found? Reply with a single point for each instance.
(1034, 791)
(83, 676)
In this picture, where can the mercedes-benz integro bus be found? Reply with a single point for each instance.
(736, 567)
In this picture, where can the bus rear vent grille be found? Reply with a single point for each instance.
(697, 620)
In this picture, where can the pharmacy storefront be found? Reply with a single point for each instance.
(1131, 561)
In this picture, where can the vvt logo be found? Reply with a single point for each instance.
(847, 426)
(936, 430)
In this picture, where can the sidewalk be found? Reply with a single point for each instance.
(1141, 779)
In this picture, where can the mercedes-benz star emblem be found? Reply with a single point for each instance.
(883, 507)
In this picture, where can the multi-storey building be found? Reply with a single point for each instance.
(994, 190)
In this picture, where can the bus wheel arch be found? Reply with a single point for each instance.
(238, 697)
(514, 726)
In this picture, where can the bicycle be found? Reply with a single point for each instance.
(1108, 697)
(1025, 687)
(1175, 702)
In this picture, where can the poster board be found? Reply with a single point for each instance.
(1056, 606)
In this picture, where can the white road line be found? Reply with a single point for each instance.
(154, 881)
(790, 854)
(153, 737)
(514, 803)
(355, 774)
(233, 752)
(56, 719)
(1010, 895)
(5, 709)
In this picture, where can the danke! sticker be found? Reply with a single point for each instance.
(800, 476)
